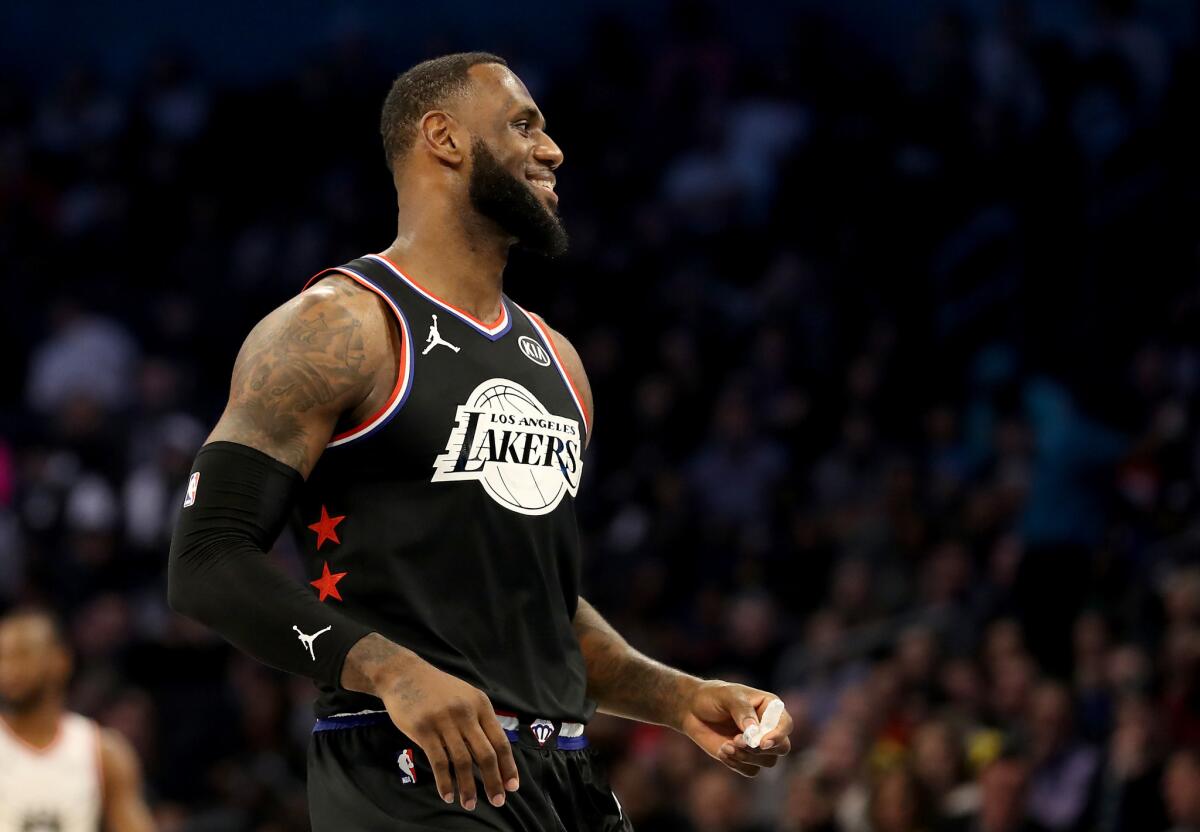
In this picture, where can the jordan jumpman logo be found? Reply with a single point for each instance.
(434, 338)
(307, 641)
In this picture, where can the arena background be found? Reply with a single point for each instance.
(891, 312)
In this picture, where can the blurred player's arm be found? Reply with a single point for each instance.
(624, 682)
(330, 351)
(125, 810)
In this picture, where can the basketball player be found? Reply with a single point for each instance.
(59, 771)
(433, 494)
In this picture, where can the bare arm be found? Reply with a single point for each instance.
(333, 352)
(328, 351)
(125, 810)
(625, 682)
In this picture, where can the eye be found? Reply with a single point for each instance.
(522, 126)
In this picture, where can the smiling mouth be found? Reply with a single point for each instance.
(542, 183)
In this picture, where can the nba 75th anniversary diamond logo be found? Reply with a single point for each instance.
(525, 457)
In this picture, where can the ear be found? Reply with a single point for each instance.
(444, 137)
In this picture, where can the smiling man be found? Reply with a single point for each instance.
(433, 491)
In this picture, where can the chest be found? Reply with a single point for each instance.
(55, 790)
(482, 410)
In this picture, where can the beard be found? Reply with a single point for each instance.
(26, 700)
(509, 202)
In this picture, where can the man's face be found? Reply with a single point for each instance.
(513, 162)
(32, 662)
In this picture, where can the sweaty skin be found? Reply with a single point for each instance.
(330, 357)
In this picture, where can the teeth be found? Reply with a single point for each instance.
(543, 183)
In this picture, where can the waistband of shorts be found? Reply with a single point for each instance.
(526, 730)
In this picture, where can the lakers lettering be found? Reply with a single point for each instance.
(524, 457)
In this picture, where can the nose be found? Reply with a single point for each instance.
(548, 153)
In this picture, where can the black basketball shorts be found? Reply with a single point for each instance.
(364, 774)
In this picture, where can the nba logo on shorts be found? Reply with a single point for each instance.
(405, 760)
(193, 484)
(542, 729)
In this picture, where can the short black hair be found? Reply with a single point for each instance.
(421, 89)
(35, 611)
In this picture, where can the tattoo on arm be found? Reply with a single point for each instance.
(372, 657)
(297, 371)
(625, 682)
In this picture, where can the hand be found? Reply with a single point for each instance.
(452, 722)
(718, 712)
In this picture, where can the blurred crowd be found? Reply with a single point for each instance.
(895, 359)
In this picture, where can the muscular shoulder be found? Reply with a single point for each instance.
(573, 364)
(320, 354)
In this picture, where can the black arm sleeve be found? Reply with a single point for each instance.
(219, 573)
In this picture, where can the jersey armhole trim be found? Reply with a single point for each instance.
(404, 372)
(544, 334)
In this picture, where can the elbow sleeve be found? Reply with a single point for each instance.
(238, 500)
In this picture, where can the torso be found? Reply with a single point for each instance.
(470, 561)
(57, 788)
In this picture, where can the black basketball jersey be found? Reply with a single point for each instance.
(446, 521)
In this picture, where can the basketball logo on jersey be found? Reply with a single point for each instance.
(534, 351)
(408, 768)
(525, 457)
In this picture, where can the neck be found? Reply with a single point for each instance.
(455, 254)
(37, 725)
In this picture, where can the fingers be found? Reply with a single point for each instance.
(464, 775)
(775, 746)
(777, 738)
(504, 753)
(730, 757)
(431, 744)
(742, 709)
(488, 762)
(748, 756)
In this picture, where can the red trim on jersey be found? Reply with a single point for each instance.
(45, 749)
(444, 302)
(545, 330)
(402, 364)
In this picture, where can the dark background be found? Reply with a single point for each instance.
(891, 315)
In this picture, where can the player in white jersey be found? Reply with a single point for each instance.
(59, 771)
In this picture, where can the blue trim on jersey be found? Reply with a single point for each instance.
(429, 296)
(409, 360)
(338, 723)
(564, 743)
(544, 337)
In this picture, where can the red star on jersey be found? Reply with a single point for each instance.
(327, 583)
(325, 527)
